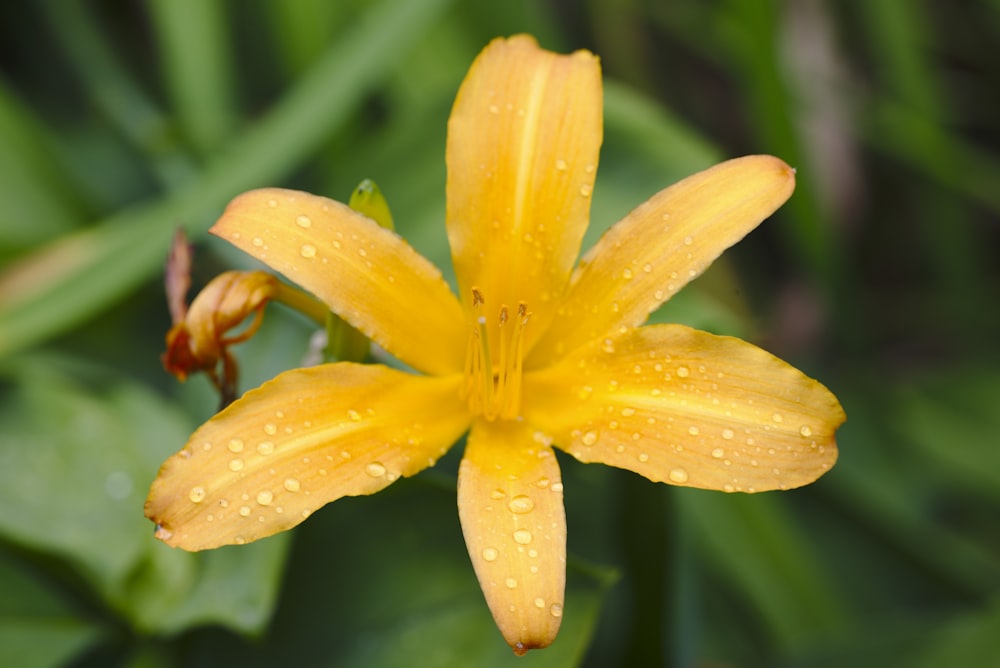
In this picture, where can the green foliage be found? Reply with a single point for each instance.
(120, 123)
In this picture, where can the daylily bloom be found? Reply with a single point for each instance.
(532, 353)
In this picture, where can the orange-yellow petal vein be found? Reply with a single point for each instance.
(306, 438)
(510, 503)
(523, 142)
(690, 408)
(663, 244)
(368, 275)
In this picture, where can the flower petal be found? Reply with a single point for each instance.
(510, 502)
(677, 405)
(298, 442)
(523, 142)
(368, 275)
(660, 246)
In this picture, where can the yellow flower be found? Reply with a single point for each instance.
(533, 353)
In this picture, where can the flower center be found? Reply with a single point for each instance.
(494, 360)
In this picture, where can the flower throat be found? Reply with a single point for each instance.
(494, 364)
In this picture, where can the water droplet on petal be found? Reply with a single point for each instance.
(197, 494)
(303, 221)
(375, 470)
(163, 533)
(679, 475)
(245, 511)
(539, 602)
(511, 583)
(307, 251)
(718, 453)
(292, 484)
(236, 445)
(521, 504)
(727, 434)
(683, 371)
(490, 554)
(265, 497)
(589, 438)
(236, 465)
(265, 447)
(522, 536)
(805, 431)
(556, 610)
(354, 415)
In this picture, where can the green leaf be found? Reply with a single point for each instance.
(385, 580)
(954, 422)
(39, 626)
(753, 544)
(78, 275)
(75, 464)
(197, 62)
(38, 202)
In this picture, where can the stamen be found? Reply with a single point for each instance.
(485, 366)
(493, 384)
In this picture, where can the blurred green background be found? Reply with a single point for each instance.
(120, 121)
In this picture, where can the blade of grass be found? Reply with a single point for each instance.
(194, 43)
(303, 29)
(39, 202)
(753, 542)
(752, 28)
(115, 92)
(900, 35)
(76, 277)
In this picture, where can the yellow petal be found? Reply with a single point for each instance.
(661, 245)
(677, 405)
(298, 442)
(523, 142)
(510, 502)
(366, 274)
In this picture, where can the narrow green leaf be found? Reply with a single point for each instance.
(754, 544)
(195, 52)
(38, 201)
(385, 580)
(39, 626)
(75, 466)
(77, 276)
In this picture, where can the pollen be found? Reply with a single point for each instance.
(494, 359)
